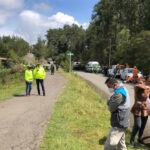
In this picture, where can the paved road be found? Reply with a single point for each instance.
(23, 119)
(98, 80)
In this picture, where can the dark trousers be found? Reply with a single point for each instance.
(139, 125)
(28, 87)
(52, 71)
(38, 82)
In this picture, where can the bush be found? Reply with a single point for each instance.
(16, 69)
(65, 65)
(10, 76)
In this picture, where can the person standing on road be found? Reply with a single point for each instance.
(52, 69)
(140, 111)
(127, 66)
(135, 74)
(39, 74)
(119, 106)
(117, 70)
(28, 80)
(106, 70)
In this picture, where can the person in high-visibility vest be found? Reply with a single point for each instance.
(40, 75)
(135, 74)
(117, 70)
(118, 66)
(127, 66)
(28, 80)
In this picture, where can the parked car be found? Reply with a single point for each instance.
(90, 66)
(127, 72)
(112, 71)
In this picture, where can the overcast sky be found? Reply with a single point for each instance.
(32, 18)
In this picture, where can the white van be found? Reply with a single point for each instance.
(90, 65)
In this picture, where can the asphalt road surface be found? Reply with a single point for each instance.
(23, 119)
(98, 80)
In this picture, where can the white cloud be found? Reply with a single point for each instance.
(85, 25)
(9, 32)
(42, 7)
(33, 24)
(8, 8)
(11, 4)
(62, 19)
(3, 16)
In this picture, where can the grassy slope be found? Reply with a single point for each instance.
(80, 120)
(10, 91)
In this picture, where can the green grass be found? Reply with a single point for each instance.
(12, 90)
(80, 120)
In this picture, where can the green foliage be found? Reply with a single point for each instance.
(16, 44)
(66, 64)
(1, 65)
(11, 82)
(123, 47)
(122, 22)
(40, 49)
(10, 76)
(141, 51)
(70, 38)
(14, 58)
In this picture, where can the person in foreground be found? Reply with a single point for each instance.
(28, 80)
(140, 111)
(119, 106)
(39, 74)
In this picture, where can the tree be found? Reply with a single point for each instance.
(40, 48)
(70, 38)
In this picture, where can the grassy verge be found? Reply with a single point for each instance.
(80, 120)
(11, 90)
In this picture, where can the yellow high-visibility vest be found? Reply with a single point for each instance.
(28, 75)
(39, 73)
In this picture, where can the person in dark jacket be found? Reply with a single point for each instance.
(52, 69)
(140, 111)
(118, 104)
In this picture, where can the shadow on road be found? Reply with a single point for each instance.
(102, 141)
(146, 141)
(19, 95)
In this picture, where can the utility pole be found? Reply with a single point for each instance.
(70, 64)
(109, 52)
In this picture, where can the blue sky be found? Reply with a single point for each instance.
(32, 18)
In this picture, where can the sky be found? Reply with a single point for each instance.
(31, 19)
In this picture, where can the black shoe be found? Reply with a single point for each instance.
(43, 94)
(132, 144)
(141, 142)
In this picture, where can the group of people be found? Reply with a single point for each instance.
(39, 74)
(119, 106)
(133, 79)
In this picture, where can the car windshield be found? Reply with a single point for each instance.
(130, 70)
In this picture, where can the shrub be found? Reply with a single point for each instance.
(10, 76)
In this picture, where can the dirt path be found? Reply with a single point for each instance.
(98, 80)
(23, 119)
